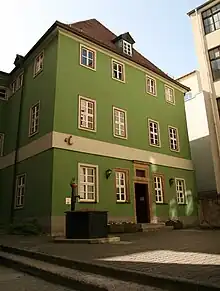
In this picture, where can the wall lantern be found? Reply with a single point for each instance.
(108, 173)
(171, 181)
(68, 140)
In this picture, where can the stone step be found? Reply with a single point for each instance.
(71, 278)
(155, 226)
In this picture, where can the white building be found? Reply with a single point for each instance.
(203, 105)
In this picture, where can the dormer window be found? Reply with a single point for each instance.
(127, 48)
(124, 43)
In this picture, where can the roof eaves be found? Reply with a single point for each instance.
(200, 7)
(81, 34)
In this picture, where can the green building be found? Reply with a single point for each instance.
(84, 104)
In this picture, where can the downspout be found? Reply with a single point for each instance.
(212, 91)
(17, 150)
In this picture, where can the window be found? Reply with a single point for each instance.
(154, 132)
(180, 191)
(17, 83)
(87, 114)
(140, 173)
(174, 139)
(34, 119)
(1, 144)
(87, 57)
(38, 64)
(169, 95)
(119, 123)
(118, 71)
(88, 189)
(151, 86)
(188, 96)
(3, 94)
(158, 187)
(127, 48)
(20, 189)
(211, 19)
(214, 56)
(121, 186)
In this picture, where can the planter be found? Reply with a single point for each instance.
(86, 224)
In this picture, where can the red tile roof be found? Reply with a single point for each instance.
(93, 30)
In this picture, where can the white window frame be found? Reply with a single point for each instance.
(6, 95)
(158, 133)
(95, 184)
(158, 188)
(127, 48)
(88, 100)
(20, 191)
(2, 139)
(168, 96)
(152, 87)
(88, 49)
(15, 85)
(35, 119)
(119, 174)
(39, 63)
(184, 201)
(115, 123)
(172, 139)
(118, 64)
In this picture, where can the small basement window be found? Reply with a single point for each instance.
(3, 93)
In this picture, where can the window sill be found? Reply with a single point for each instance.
(123, 202)
(182, 204)
(87, 201)
(38, 73)
(18, 208)
(164, 203)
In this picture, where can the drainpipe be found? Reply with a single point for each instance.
(211, 95)
(17, 150)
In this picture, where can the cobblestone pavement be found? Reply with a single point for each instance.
(12, 280)
(189, 254)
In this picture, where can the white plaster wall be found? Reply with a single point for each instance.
(192, 81)
(196, 117)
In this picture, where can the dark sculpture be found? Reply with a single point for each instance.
(74, 195)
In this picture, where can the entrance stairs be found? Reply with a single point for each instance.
(155, 227)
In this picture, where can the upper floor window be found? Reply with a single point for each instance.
(17, 83)
(38, 64)
(174, 138)
(180, 191)
(127, 48)
(118, 71)
(214, 55)
(121, 180)
(211, 19)
(154, 132)
(3, 93)
(20, 189)
(88, 183)
(34, 119)
(119, 123)
(87, 114)
(87, 57)
(151, 86)
(169, 94)
(1, 144)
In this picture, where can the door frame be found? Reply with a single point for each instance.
(142, 180)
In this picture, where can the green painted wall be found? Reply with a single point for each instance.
(73, 79)
(38, 189)
(170, 206)
(65, 167)
(3, 104)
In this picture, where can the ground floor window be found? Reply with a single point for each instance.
(180, 191)
(159, 189)
(121, 181)
(88, 183)
(20, 190)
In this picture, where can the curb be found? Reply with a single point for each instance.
(49, 276)
(164, 282)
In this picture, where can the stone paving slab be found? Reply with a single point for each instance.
(193, 255)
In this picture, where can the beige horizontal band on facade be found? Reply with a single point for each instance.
(95, 147)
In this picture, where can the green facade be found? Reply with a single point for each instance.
(49, 169)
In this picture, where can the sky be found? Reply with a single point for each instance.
(161, 29)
